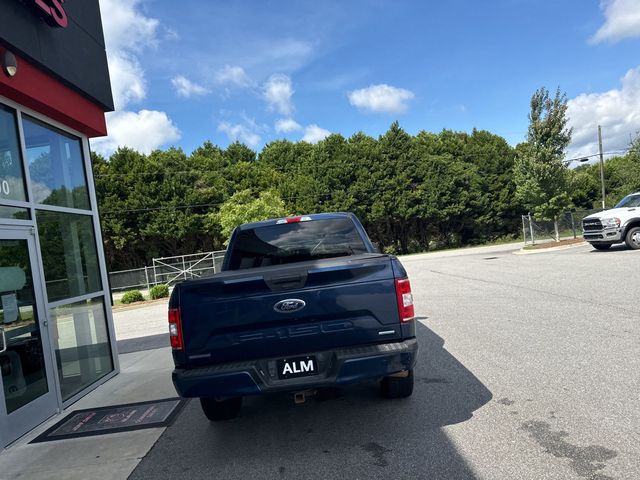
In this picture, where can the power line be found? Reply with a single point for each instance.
(165, 207)
(612, 152)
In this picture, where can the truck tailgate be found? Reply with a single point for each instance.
(231, 316)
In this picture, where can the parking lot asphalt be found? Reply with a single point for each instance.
(529, 369)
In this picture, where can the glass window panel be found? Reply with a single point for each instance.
(81, 341)
(15, 213)
(11, 174)
(295, 242)
(22, 366)
(56, 166)
(69, 255)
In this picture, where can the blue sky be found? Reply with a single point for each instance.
(189, 71)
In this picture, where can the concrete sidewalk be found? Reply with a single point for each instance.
(144, 375)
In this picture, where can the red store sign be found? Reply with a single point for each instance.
(51, 10)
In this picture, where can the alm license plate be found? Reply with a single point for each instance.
(297, 367)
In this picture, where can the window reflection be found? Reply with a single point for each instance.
(22, 368)
(81, 340)
(11, 175)
(69, 254)
(56, 166)
(15, 213)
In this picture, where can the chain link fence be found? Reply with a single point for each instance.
(167, 270)
(539, 231)
(138, 278)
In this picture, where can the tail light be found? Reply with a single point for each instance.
(293, 220)
(175, 329)
(405, 300)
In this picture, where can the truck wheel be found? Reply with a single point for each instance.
(217, 410)
(601, 246)
(633, 238)
(397, 387)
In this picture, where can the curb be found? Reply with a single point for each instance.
(551, 249)
(136, 305)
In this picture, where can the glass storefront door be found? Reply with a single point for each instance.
(27, 389)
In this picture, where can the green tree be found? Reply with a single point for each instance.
(585, 186)
(412, 193)
(496, 210)
(393, 182)
(447, 190)
(239, 152)
(244, 207)
(542, 180)
(634, 147)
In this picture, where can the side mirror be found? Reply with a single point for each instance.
(376, 247)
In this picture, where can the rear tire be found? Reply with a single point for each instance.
(633, 238)
(218, 410)
(397, 387)
(601, 246)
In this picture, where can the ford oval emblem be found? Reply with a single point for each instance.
(289, 305)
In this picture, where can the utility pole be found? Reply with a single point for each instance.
(601, 166)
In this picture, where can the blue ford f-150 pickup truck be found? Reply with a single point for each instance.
(302, 303)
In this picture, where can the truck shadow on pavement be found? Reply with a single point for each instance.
(353, 434)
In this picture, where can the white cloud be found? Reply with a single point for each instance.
(233, 75)
(277, 91)
(287, 125)
(259, 53)
(381, 98)
(128, 33)
(171, 35)
(244, 133)
(125, 28)
(313, 134)
(186, 88)
(127, 79)
(617, 111)
(622, 21)
(143, 131)
(288, 54)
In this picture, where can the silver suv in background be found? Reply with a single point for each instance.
(617, 225)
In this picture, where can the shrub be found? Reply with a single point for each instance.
(159, 291)
(132, 296)
(391, 250)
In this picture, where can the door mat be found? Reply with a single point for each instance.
(115, 418)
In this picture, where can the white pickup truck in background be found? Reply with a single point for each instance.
(617, 225)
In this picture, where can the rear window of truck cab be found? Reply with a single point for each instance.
(295, 242)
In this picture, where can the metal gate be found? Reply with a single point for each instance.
(168, 270)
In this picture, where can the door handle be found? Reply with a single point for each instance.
(4, 341)
(291, 279)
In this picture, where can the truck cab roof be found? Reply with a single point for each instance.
(298, 218)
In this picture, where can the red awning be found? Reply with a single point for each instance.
(39, 91)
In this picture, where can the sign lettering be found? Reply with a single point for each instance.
(4, 187)
(52, 11)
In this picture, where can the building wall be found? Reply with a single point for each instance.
(67, 43)
(58, 312)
